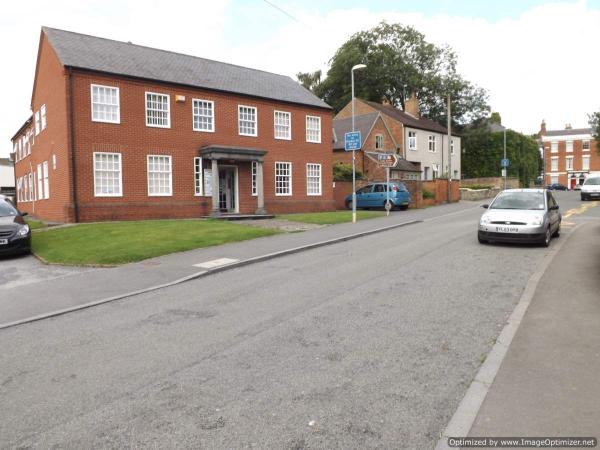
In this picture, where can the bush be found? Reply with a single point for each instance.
(428, 194)
(343, 172)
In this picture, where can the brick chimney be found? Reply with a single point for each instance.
(568, 127)
(385, 101)
(542, 128)
(411, 106)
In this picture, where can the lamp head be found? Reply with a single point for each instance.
(358, 67)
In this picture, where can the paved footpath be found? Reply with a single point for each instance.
(548, 382)
(90, 286)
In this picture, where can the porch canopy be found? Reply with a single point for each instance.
(223, 153)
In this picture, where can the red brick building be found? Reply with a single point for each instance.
(376, 137)
(121, 131)
(569, 155)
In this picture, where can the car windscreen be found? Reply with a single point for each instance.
(592, 181)
(519, 200)
(6, 209)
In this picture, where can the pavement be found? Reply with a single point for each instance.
(369, 343)
(548, 382)
(71, 287)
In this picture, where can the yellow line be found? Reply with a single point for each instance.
(583, 208)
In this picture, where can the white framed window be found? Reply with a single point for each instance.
(283, 125)
(159, 176)
(283, 178)
(107, 175)
(554, 146)
(436, 170)
(452, 146)
(569, 163)
(554, 179)
(46, 180)
(247, 120)
(313, 179)
(585, 145)
(554, 164)
(54, 162)
(254, 176)
(105, 104)
(585, 163)
(19, 188)
(412, 140)
(198, 176)
(203, 114)
(379, 142)
(431, 143)
(40, 181)
(313, 129)
(158, 110)
(43, 116)
(31, 188)
(37, 122)
(569, 146)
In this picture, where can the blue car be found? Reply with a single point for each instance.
(375, 195)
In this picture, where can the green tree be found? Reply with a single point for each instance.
(594, 119)
(484, 151)
(310, 80)
(401, 62)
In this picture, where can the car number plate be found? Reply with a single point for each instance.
(3, 241)
(507, 229)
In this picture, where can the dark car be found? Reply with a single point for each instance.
(556, 187)
(15, 235)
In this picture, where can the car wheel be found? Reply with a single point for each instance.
(481, 240)
(557, 232)
(349, 205)
(547, 238)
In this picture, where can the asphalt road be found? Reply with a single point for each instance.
(365, 344)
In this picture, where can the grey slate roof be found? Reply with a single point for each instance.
(570, 132)
(121, 58)
(410, 121)
(362, 123)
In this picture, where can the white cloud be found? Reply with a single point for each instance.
(539, 65)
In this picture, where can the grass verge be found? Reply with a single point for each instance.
(35, 224)
(116, 243)
(331, 217)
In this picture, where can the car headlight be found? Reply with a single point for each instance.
(485, 220)
(537, 220)
(23, 231)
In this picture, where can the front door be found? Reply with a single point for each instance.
(227, 187)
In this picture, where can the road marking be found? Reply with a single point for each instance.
(567, 224)
(580, 210)
(216, 263)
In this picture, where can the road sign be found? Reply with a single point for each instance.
(352, 141)
(383, 159)
(504, 162)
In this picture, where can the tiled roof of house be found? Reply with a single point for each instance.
(122, 58)
(408, 120)
(362, 123)
(568, 132)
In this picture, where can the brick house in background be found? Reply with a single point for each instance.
(376, 137)
(418, 139)
(569, 155)
(121, 131)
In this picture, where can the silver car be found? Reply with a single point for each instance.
(521, 215)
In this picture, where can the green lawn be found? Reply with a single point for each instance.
(332, 217)
(35, 224)
(122, 242)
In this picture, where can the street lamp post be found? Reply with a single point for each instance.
(356, 67)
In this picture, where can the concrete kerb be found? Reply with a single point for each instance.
(204, 273)
(462, 421)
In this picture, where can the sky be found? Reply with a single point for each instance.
(536, 59)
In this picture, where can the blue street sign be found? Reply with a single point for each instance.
(504, 162)
(352, 141)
